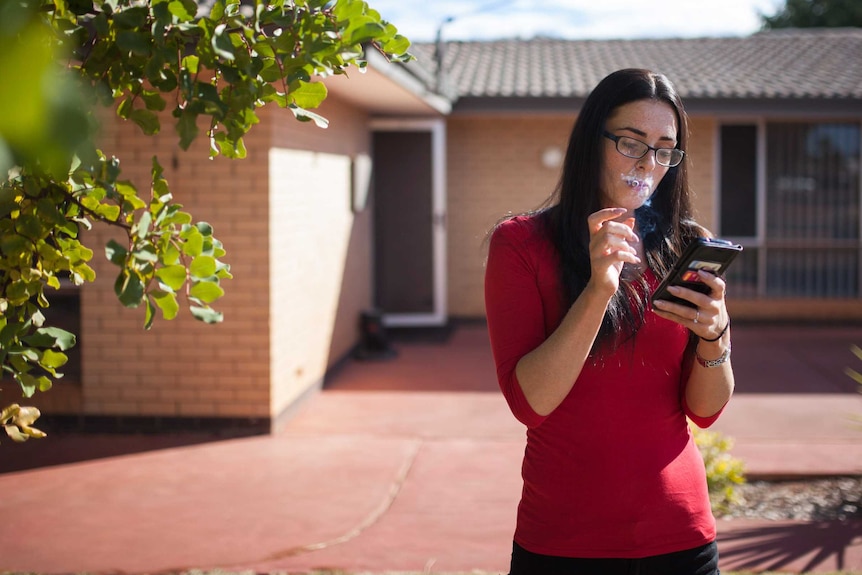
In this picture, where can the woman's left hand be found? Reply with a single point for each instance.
(708, 318)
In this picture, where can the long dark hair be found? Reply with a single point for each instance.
(665, 223)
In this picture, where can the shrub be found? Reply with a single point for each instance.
(723, 471)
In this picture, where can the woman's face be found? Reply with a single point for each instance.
(630, 182)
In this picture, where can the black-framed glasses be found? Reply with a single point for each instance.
(631, 148)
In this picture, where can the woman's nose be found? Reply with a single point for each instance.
(647, 162)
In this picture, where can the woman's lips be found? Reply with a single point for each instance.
(641, 185)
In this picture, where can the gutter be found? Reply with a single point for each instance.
(400, 75)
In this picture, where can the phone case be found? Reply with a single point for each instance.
(711, 254)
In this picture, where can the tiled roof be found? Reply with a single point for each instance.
(791, 63)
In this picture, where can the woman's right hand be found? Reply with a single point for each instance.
(611, 246)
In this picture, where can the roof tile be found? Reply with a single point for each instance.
(791, 63)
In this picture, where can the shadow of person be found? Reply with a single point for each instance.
(792, 546)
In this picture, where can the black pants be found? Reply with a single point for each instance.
(698, 561)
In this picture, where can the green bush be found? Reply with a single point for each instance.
(723, 471)
(855, 375)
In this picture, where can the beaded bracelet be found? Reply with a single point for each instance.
(718, 337)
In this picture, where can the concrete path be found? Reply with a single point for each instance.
(411, 464)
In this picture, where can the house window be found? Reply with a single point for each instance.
(739, 203)
(806, 241)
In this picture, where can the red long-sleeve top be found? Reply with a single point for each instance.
(613, 471)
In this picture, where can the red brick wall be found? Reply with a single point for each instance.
(184, 367)
(236, 369)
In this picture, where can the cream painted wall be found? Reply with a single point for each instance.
(310, 229)
(320, 258)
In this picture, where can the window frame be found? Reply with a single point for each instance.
(759, 241)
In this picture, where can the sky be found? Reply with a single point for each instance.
(420, 20)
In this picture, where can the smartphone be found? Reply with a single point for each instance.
(710, 254)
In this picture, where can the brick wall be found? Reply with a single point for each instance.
(184, 368)
(495, 167)
(701, 170)
(281, 329)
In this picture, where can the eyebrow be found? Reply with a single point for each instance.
(643, 134)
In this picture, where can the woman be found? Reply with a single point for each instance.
(602, 378)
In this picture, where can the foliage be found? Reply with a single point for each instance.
(815, 14)
(723, 472)
(149, 60)
(17, 422)
(855, 375)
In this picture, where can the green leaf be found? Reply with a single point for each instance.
(129, 289)
(203, 267)
(142, 228)
(116, 253)
(149, 314)
(206, 315)
(306, 116)
(187, 128)
(28, 384)
(153, 100)
(84, 272)
(221, 43)
(12, 244)
(133, 42)
(30, 227)
(173, 276)
(17, 293)
(146, 253)
(365, 32)
(109, 212)
(170, 255)
(130, 196)
(167, 302)
(206, 291)
(217, 12)
(205, 228)
(308, 94)
(44, 383)
(28, 354)
(128, 18)
(53, 359)
(147, 120)
(184, 10)
(51, 337)
(191, 63)
(398, 45)
(194, 242)
(49, 212)
(223, 271)
(7, 333)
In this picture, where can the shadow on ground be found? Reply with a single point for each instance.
(795, 547)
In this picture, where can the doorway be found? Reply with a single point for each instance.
(409, 222)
